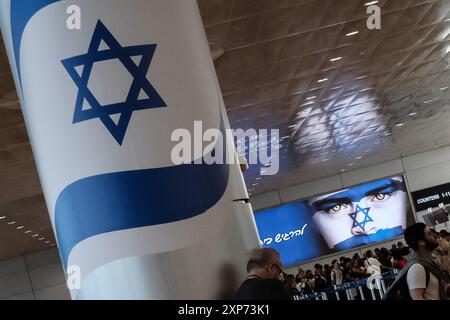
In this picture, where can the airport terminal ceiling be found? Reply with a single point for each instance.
(343, 96)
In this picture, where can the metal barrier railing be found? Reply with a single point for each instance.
(375, 284)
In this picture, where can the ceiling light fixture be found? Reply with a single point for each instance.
(21, 227)
(387, 134)
(352, 33)
(399, 124)
(11, 223)
(359, 158)
(311, 98)
(322, 80)
(307, 103)
(40, 239)
(4, 217)
(28, 231)
(443, 88)
(413, 114)
(47, 241)
(335, 59)
(428, 101)
(370, 3)
(35, 235)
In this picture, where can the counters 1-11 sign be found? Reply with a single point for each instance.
(431, 197)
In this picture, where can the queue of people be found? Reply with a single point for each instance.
(424, 263)
(350, 269)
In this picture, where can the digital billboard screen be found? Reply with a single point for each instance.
(346, 219)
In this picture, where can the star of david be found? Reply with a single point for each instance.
(140, 82)
(359, 213)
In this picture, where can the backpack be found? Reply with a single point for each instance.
(400, 290)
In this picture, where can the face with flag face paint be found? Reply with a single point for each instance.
(368, 213)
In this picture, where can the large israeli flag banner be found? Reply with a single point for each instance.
(100, 105)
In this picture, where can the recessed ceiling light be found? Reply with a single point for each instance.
(343, 170)
(254, 185)
(387, 134)
(399, 124)
(352, 33)
(322, 80)
(35, 235)
(310, 102)
(310, 98)
(413, 114)
(443, 88)
(21, 227)
(259, 178)
(40, 239)
(428, 101)
(4, 217)
(370, 3)
(335, 59)
(359, 158)
(47, 241)
(11, 223)
(351, 164)
(28, 231)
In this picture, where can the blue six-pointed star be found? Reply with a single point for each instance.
(140, 82)
(355, 215)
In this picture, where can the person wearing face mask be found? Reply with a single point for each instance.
(264, 276)
(422, 278)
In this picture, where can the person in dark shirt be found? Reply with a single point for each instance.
(263, 279)
(291, 285)
(320, 282)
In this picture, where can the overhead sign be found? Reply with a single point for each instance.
(431, 197)
(365, 214)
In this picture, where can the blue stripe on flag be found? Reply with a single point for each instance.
(127, 200)
(21, 13)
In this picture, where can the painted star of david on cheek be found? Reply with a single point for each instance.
(115, 117)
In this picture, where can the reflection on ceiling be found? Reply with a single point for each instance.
(343, 96)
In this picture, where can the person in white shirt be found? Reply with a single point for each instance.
(372, 265)
(424, 277)
(337, 277)
(420, 286)
(421, 278)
